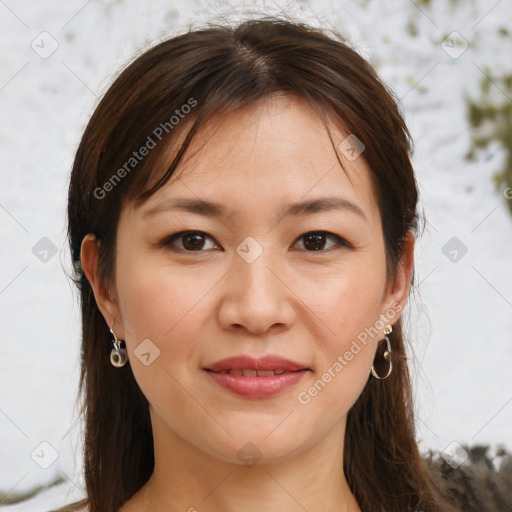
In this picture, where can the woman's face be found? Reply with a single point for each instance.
(253, 290)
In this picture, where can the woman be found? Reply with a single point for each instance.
(242, 217)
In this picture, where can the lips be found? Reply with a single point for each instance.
(268, 363)
(256, 378)
(249, 372)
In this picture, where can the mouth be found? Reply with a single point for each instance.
(249, 372)
(256, 378)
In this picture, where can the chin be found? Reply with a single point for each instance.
(255, 445)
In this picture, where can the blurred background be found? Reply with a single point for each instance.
(447, 61)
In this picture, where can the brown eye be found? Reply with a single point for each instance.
(193, 242)
(189, 241)
(316, 240)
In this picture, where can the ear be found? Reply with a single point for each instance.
(106, 301)
(396, 296)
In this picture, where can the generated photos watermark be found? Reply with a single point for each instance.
(151, 142)
(343, 360)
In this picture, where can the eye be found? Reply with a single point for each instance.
(189, 241)
(197, 241)
(316, 240)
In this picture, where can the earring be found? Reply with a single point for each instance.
(118, 355)
(386, 356)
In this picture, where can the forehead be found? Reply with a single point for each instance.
(276, 151)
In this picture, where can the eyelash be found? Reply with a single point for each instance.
(168, 241)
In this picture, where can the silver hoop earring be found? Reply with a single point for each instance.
(386, 356)
(118, 355)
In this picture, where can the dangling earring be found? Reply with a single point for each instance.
(118, 355)
(386, 356)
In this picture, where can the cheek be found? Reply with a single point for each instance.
(349, 308)
(165, 307)
(349, 302)
(158, 302)
(344, 356)
(170, 307)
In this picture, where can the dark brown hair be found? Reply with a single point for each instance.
(217, 70)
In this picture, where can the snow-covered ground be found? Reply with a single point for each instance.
(461, 320)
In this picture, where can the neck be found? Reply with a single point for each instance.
(188, 479)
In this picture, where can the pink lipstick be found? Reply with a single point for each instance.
(256, 377)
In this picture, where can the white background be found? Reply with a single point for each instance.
(460, 319)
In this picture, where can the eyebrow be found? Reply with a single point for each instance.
(212, 209)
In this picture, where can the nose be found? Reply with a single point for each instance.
(256, 298)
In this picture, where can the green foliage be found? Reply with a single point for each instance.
(490, 117)
(429, 2)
